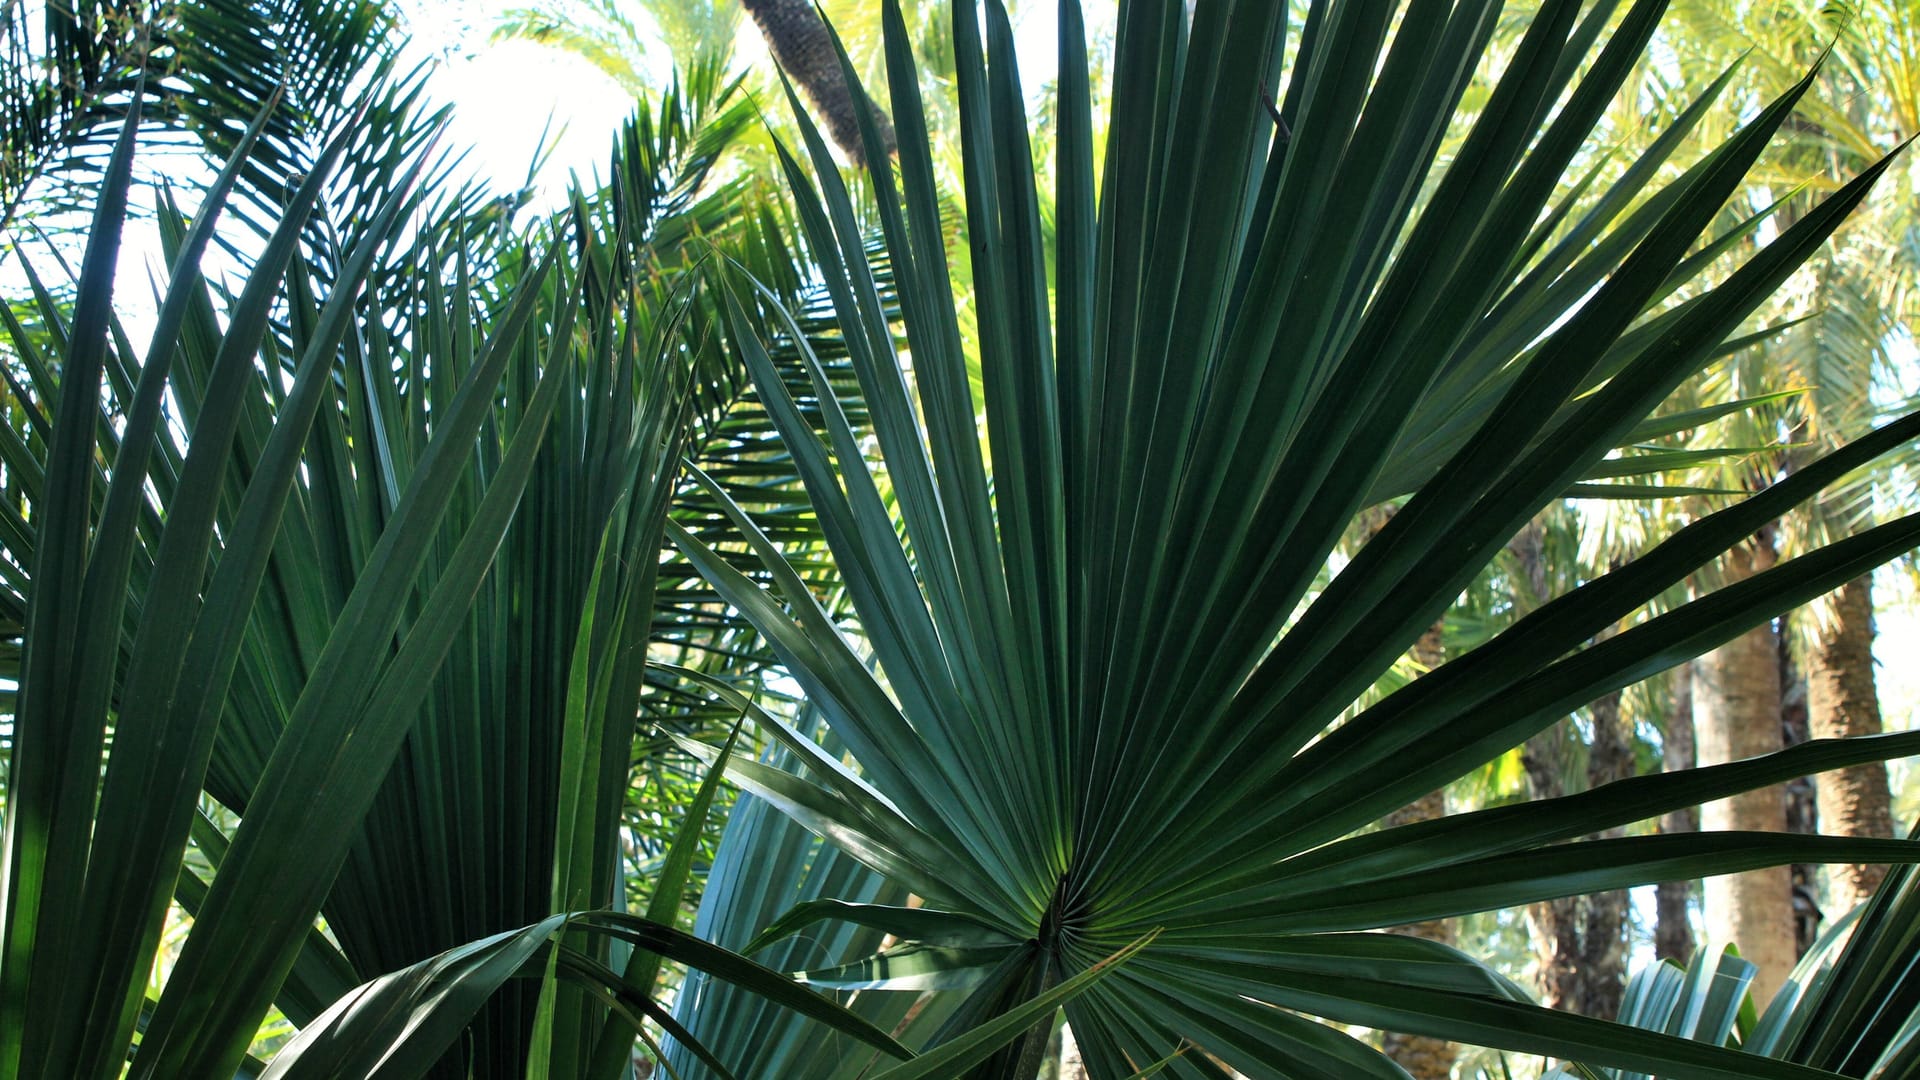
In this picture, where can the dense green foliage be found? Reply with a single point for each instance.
(352, 604)
(1109, 675)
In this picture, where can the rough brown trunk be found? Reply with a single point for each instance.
(1554, 925)
(1603, 937)
(1424, 1057)
(1842, 701)
(1736, 710)
(804, 49)
(1673, 926)
(1803, 816)
(1580, 942)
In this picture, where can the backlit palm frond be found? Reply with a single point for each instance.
(69, 72)
(333, 65)
(599, 33)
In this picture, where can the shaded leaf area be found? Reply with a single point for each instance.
(367, 551)
(1098, 683)
(766, 865)
(731, 444)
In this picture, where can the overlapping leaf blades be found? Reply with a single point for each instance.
(387, 603)
(1107, 684)
(1850, 1005)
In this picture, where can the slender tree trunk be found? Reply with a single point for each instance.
(804, 49)
(1736, 709)
(1554, 925)
(1424, 1057)
(1603, 935)
(1580, 942)
(1803, 816)
(1673, 926)
(1842, 701)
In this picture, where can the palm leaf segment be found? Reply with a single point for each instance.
(1849, 1005)
(1106, 684)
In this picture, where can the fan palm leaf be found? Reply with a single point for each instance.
(1108, 679)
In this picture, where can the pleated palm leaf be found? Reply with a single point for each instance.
(766, 864)
(1105, 681)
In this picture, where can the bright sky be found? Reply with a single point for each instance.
(504, 93)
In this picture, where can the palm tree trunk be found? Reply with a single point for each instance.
(1736, 698)
(1421, 1055)
(1842, 701)
(1603, 934)
(1803, 816)
(1673, 926)
(1580, 942)
(1424, 1057)
(1554, 925)
(803, 47)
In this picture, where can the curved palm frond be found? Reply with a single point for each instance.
(70, 72)
(382, 586)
